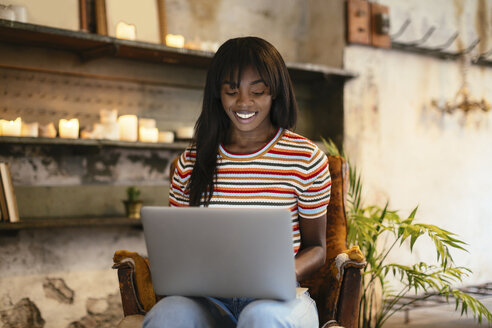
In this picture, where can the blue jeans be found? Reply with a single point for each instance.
(188, 312)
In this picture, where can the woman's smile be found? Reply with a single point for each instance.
(245, 117)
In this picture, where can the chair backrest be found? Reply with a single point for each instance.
(324, 286)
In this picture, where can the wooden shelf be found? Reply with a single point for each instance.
(93, 142)
(24, 224)
(89, 46)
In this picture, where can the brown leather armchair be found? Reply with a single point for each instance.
(335, 287)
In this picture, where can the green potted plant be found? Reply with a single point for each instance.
(368, 227)
(133, 204)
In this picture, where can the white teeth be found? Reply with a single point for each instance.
(245, 116)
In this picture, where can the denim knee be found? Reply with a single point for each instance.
(264, 314)
(177, 312)
(299, 313)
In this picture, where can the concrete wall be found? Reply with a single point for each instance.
(61, 277)
(305, 31)
(65, 274)
(410, 153)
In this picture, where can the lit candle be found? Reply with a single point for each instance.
(12, 128)
(166, 136)
(185, 132)
(29, 129)
(128, 126)
(148, 134)
(126, 31)
(175, 40)
(69, 128)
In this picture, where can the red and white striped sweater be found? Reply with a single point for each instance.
(289, 172)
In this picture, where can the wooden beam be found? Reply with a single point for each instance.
(161, 13)
(101, 18)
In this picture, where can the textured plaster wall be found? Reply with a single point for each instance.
(82, 257)
(410, 153)
(304, 31)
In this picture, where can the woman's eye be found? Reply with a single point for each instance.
(231, 93)
(258, 93)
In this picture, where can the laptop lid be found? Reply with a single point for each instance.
(220, 252)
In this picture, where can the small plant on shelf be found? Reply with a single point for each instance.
(133, 204)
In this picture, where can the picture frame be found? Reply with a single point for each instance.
(143, 20)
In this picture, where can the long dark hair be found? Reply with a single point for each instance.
(212, 126)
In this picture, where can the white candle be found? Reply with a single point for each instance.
(166, 136)
(30, 129)
(185, 132)
(111, 131)
(128, 126)
(175, 40)
(126, 31)
(148, 134)
(12, 128)
(69, 128)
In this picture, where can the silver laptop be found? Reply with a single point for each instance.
(220, 252)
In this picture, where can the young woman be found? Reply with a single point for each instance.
(244, 155)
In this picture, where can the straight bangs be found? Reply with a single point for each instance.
(237, 58)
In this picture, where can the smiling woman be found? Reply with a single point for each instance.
(243, 155)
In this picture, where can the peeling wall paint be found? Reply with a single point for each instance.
(45, 85)
(74, 260)
(41, 165)
(406, 151)
(411, 154)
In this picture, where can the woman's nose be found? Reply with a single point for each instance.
(243, 99)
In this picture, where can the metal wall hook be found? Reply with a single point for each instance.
(469, 48)
(401, 30)
(423, 39)
(448, 43)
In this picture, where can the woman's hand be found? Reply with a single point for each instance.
(312, 254)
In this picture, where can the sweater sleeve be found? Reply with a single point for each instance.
(313, 201)
(179, 194)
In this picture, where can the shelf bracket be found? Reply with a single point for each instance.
(105, 50)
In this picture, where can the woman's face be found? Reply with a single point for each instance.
(248, 105)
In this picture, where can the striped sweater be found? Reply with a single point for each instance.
(289, 172)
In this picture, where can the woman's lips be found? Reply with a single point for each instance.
(245, 117)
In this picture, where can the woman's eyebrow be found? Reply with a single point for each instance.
(234, 84)
(258, 81)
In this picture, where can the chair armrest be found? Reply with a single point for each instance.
(336, 286)
(348, 266)
(135, 282)
(128, 290)
(347, 310)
